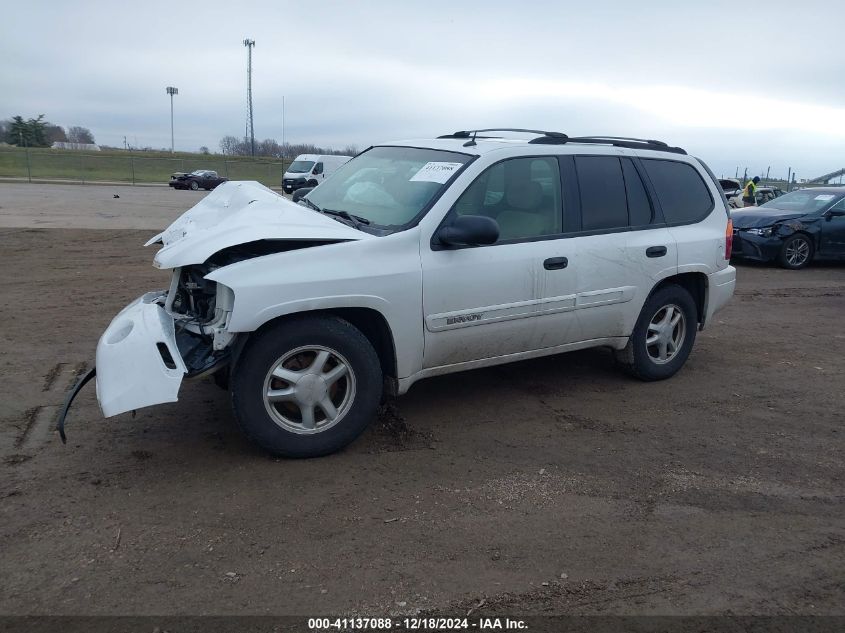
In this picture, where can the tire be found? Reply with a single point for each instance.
(194, 185)
(283, 359)
(643, 360)
(796, 252)
(311, 183)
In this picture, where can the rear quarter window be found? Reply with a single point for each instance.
(683, 195)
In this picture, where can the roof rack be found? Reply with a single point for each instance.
(559, 138)
(616, 141)
(472, 134)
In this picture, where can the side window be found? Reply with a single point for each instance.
(683, 195)
(603, 203)
(522, 194)
(640, 212)
(318, 169)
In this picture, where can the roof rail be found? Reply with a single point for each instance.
(616, 141)
(472, 134)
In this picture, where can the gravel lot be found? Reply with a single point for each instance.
(550, 486)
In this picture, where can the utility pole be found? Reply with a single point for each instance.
(284, 151)
(250, 130)
(171, 91)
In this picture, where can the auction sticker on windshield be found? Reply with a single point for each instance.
(436, 171)
(826, 196)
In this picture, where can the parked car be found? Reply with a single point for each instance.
(309, 170)
(730, 187)
(761, 196)
(793, 229)
(423, 258)
(199, 179)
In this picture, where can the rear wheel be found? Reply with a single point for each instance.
(663, 336)
(307, 386)
(796, 252)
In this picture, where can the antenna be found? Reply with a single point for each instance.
(250, 130)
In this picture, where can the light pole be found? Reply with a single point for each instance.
(171, 91)
(250, 130)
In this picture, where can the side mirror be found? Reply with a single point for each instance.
(300, 193)
(834, 213)
(469, 230)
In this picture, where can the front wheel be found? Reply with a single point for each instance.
(663, 336)
(307, 386)
(796, 252)
(194, 185)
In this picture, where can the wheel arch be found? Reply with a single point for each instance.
(371, 323)
(696, 283)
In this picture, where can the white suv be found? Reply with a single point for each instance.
(420, 258)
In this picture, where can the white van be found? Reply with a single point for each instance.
(309, 170)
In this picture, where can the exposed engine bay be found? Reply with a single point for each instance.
(200, 309)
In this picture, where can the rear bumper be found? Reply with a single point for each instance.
(133, 357)
(721, 287)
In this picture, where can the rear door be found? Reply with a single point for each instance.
(621, 247)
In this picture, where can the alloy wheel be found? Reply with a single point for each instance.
(666, 333)
(309, 389)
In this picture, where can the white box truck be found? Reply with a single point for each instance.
(309, 170)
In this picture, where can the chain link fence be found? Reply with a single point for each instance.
(37, 164)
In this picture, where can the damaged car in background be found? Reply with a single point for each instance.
(793, 229)
(417, 259)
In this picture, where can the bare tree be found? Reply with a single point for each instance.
(79, 134)
(53, 133)
(229, 145)
(204, 150)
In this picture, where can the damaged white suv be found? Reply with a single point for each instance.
(421, 258)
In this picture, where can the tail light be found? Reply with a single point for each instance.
(729, 238)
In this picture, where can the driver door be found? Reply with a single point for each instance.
(489, 301)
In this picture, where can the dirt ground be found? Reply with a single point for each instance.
(550, 486)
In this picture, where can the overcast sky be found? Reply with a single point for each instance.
(737, 86)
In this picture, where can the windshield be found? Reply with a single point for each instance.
(804, 201)
(198, 172)
(389, 186)
(300, 166)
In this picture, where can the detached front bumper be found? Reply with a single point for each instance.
(138, 361)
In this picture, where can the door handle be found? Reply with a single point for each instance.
(555, 263)
(655, 251)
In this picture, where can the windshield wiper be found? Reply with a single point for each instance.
(310, 204)
(356, 220)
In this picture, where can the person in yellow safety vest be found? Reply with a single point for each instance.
(749, 193)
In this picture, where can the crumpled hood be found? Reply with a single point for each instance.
(241, 212)
(759, 217)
